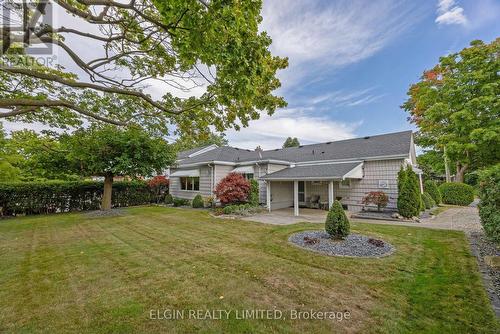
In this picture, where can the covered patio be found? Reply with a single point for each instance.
(287, 187)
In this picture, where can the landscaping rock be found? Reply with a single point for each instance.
(396, 215)
(354, 245)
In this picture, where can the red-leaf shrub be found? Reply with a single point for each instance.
(159, 187)
(379, 198)
(233, 188)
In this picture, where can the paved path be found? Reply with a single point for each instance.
(455, 218)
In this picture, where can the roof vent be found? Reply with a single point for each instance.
(329, 142)
(367, 137)
(323, 152)
(301, 145)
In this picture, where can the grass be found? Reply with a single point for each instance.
(440, 209)
(75, 273)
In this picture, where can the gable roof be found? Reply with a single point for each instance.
(317, 172)
(391, 144)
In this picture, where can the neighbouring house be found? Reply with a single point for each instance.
(305, 176)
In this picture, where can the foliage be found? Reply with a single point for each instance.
(472, 178)
(178, 45)
(253, 197)
(209, 202)
(432, 189)
(233, 188)
(186, 142)
(337, 224)
(159, 187)
(169, 199)
(409, 200)
(456, 105)
(432, 164)
(27, 198)
(197, 202)
(379, 198)
(428, 200)
(109, 151)
(240, 209)
(489, 206)
(291, 142)
(180, 202)
(457, 193)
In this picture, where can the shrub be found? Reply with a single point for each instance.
(379, 198)
(337, 224)
(180, 202)
(489, 206)
(233, 188)
(209, 202)
(44, 197)
(428, 200)
(253, 197)
(409, 200)
(169, 199)
(159, 187)
(457, 193)
(432, 189)
(197, 202)
(241, 209)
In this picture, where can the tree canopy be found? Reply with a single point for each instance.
(181, 44)
(456, 105)
(291, 142)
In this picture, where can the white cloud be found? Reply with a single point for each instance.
(341, 98)
(271, 131)
(449, 13)
(333, 34)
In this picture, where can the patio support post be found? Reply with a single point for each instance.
(295, 198)
(421, 184)
(330, 194)
(268, 195)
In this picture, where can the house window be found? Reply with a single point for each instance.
(345, 184)
(249, 176)
(190, 183)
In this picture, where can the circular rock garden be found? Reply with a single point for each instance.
(354, 245)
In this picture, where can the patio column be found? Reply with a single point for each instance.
(268, 195)
(295, 198)
(330, 194)
(421, 184)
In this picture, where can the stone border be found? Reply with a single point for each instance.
(390, 252)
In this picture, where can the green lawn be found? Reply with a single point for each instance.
(75, 273)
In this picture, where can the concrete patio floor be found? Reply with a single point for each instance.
(455, 218)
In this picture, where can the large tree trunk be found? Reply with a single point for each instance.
(106, 196)
(459, 176)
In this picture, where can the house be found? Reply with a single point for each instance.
(305, 176)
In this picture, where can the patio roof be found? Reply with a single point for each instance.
(337, 171)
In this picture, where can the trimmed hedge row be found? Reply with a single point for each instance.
(489, 206)
(457, 193)
(32, 198)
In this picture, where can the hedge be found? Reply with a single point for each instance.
(431, 187)
(457, 193)
(489, 206)
(428, 200)
(64, 196)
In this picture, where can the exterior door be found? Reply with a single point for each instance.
(302, 192)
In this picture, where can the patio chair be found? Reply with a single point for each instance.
(315, 203)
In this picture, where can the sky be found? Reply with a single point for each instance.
(351, 62)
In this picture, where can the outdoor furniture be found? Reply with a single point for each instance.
(315, 203)
(323, 205)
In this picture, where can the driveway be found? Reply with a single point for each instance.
(455, 218)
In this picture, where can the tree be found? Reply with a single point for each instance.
(337, 224)
(409, 201)
(379, 198)
(186, 142)
(432, 189)
(291, 142)
(455, 106)
(233, 188)
(432, 164)
(8, 172)
(110, 151)
(181, 44)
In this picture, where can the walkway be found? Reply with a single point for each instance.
(455, 218)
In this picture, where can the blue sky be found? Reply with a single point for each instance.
(351, 62)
